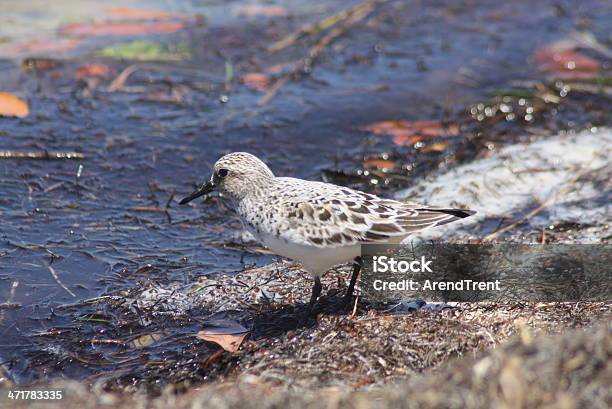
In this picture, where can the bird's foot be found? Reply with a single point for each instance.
(347, 301)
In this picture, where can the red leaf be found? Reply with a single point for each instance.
(39, 46)
(411, 132)
(10, 105)
(121, 28)
(256, 10)
(93, 70)
(565, 63)
(280, 68)
(256, 81)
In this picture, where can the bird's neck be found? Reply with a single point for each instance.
(256, 195)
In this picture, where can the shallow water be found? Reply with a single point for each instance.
(99, 227)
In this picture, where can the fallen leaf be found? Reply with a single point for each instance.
(225, 333)
(280, 68)
(385, 164)
(10, 105)
(97, 70)
(229, 342)
(435, 147)
(363, 381)
(566, 63)
(146, 51)
(146, 340)
(39, 64)
(176, 95)
(39, 46)
(256, 81)
(411, 132)
(129, 13)
(261, 10)
(121, 28)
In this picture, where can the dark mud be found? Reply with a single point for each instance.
(108, 225)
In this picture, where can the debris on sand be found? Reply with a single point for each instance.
(565, 370)
(154, 336)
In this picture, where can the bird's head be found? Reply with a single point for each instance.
(234, 176)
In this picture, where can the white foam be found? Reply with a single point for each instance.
(518, 177)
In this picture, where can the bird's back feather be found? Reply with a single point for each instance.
(325, 215)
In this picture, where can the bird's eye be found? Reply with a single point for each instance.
(222, 173)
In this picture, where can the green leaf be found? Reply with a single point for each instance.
(146, 51)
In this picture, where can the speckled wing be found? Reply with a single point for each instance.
(325, 215)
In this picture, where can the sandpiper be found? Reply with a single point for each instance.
(318, 224)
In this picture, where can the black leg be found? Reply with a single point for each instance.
(316, 291)
(351, 288)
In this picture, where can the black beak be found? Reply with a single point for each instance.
(201, 191)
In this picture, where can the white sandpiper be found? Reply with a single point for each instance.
(318, 224)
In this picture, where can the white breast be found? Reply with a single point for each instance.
(315, 260)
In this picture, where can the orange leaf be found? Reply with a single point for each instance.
(379, 164)
(411, 132)
(10, 105)
(39, 46)
(229, 342)
(256, 81)
(93, 70)
(255, 10)
(119, 28)
(435, 147)
(279, 68)
(566, 64)
(129, 13)
(226, 333)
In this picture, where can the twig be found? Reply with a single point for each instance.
(53, 187)
(314, 28)
(44, 155)
(168, 203)
(59, 282)
(118, 84)
(562, 190)
(354, 16)
(147, 209)
(106, 341)
(86, 302)
(354, 312)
